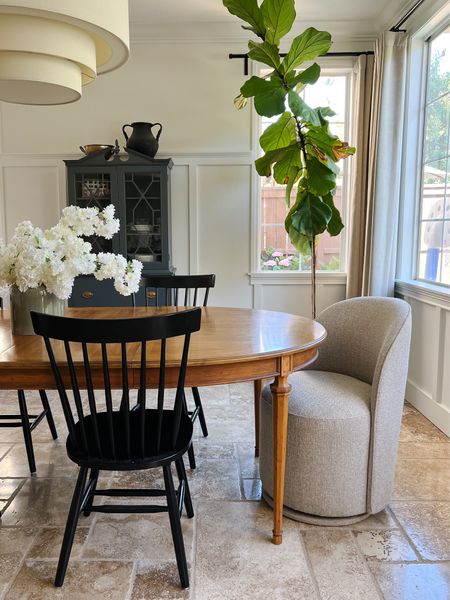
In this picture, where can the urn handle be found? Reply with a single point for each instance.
(124, 132)
(159, 132)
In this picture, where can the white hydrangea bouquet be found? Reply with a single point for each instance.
(54, 257)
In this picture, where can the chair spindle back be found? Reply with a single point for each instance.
(101, 427)
(178, 290)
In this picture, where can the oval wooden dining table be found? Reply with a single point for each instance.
(233, 345)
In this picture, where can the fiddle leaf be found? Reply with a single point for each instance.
(240, 102)
(269, 94)
(292, 178)
(301, 242)
(342, 150)
(321, 179)
(301, 109)
(308, 76)
(279, 134)
(288, 168)
(257, 85)
(325, 111)
(327, 148)
(278, 16)
(248, 11)
(265, 53)
(310, 215)
(264, 163)
(307, 46)
(270, 103)
(335, 224)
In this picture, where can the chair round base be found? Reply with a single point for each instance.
(315, 519)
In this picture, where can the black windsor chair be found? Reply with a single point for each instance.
(174, 291)
(105, 433)
(29, 422)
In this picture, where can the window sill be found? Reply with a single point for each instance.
(296, 278)
(425, 292)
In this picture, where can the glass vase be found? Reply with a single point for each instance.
(37, 299)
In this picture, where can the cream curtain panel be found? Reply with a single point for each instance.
(362, 191)
(380, 93)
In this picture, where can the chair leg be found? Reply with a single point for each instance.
(93, 478)
(258, 385)
(50, 421)
(175, 525)
(191, 455)
(26, 430)
(181, 471)
(71, 526)
(201, 414)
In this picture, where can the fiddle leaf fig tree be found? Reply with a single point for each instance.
(299, 149)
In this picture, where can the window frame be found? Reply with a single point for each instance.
(425, 105)
(428, 27)
(330, 66)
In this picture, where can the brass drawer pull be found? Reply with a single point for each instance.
(151, 295)
(87, 294)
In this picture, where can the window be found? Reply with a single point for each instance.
(276, 253)
(434, 231)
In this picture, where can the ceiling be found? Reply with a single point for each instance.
(361, 14)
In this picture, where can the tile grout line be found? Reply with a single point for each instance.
(13, 495)
(241, 483)
(407, 562)
(309, 564)
(417, 501)
(404, 532)
(362, 556)
(91, 526)
(132, 580)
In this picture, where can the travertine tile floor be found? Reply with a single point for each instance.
(400, 554)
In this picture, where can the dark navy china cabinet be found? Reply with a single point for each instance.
(139, 188)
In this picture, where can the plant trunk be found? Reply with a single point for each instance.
(313, 277)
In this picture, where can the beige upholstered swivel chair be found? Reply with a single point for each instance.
(344, 415)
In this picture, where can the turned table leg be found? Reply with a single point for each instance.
(280, 392)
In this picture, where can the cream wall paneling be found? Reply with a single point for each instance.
(291, 292)
(30, 192)
(223, 217)
(428, 387)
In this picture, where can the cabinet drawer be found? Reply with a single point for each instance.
(87, 291)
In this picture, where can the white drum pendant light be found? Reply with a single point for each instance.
(49, 49)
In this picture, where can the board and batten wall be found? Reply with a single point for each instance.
(188, 87)
(428, 387)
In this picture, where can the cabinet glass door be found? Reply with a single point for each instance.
(143, 216)
(94, 190)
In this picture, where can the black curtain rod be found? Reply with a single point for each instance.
(245, 56)
(411, 11)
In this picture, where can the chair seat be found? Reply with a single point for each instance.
(327, 450)
(138, 456)
(320, 395)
